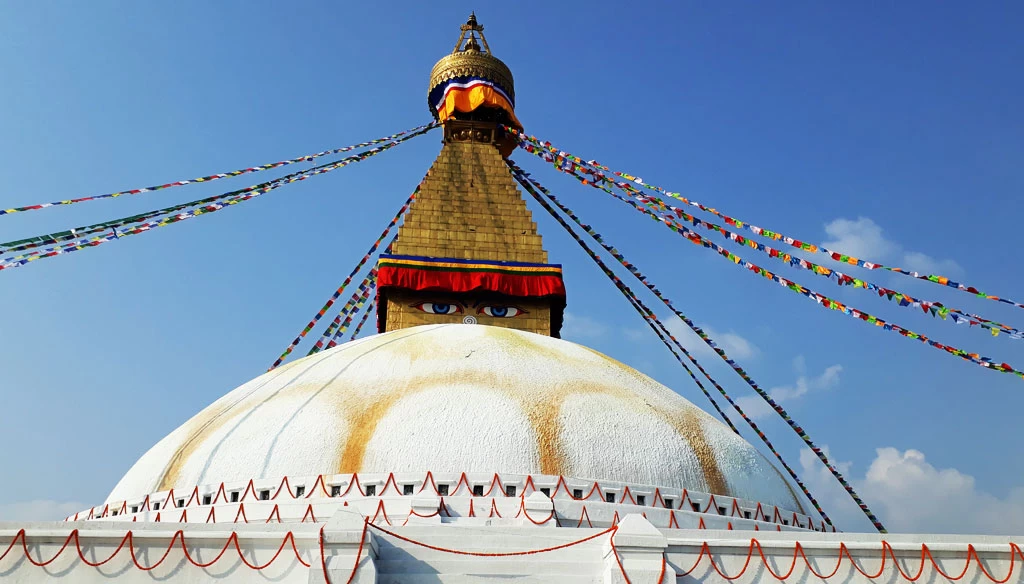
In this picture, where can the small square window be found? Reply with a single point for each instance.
(510, 491)
(609, 497)
(695, 507)
(181, 502)
(641, 500)
(577, 493)
(721, 510)
(135, 509)
(478, 490)
(371, 490)
(746, 514)
(207, 499)
(265, 495)
(234, 496)
(406, 489)
(670, 503)
(300, 491)
(156, 506)
(336, 491)
(785, 521)
(442, 490)
(546, 491)
(114, 513)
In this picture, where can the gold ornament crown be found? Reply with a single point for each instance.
(470, 59)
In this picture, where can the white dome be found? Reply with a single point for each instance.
(458, 398)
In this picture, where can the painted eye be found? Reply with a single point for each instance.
(439, 307)
(501, 311)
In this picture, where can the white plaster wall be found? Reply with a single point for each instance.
(392, 560)
(452, 442)
(603, 439)
(458, 398)
(729, 550)
(100, 541)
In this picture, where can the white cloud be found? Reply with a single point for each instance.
(735, 345)
(756, 408)
(581, 328)
(864, 239)
(909, 494)
(39, 510)
(636, 334)
(926, 264)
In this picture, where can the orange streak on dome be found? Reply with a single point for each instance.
(363, 425)
(206, 423)
(544, 418)
(365, 412)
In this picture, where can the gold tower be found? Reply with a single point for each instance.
(469, 250)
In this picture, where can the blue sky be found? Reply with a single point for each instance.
(894, 131)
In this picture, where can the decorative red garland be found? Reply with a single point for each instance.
(170, 502)
(492, 554)
(887, 551)
(129, 541)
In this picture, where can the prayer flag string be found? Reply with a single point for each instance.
(598, 180)
(341, 289)
(667, 338)
(821, 299)
(338, 326)
(212, 177)
(79, 232)
(362, 321)
(532, 186)
(674, 346)
(532, 142)
(220, 202)
(372, 280)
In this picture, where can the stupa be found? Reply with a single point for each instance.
(466, 441)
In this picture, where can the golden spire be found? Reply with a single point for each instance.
(468, 250)
(472, 68)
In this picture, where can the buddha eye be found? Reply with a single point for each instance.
(438, 307)
(501, 311)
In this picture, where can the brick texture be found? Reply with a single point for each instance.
(469, 207)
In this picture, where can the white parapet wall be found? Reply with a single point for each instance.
(348, 549)
(579, 502)
(153, 552)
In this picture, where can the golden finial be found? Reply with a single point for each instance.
(472, 28)
(470, 59)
